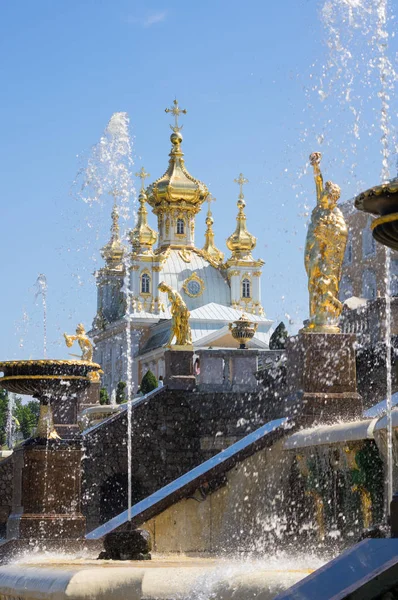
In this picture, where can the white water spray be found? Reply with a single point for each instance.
(41, 290)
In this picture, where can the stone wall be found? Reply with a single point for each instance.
(172, 432)
(6, 487)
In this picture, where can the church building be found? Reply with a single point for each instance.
(216, 291)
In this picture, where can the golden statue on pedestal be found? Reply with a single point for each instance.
(324, 253)
(180, 314)
(84, 342)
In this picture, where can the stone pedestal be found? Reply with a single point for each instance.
(66, 410)
(321, 375)
(46, 495)
(179, 369)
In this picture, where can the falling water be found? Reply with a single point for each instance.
(385, 73)
(350, 74)
(10, 427)
(41, 290)
(109, 173)
(113, 398)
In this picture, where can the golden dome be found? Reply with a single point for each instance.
(113, 251)
(177, 186)
(210, 248)
(241, 242)
(142, 236)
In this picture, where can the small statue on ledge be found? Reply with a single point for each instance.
(180, 314)
(324, 253)
(84, 342)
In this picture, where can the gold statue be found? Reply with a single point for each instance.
(324, 253)
(83, 341)
(180, 325)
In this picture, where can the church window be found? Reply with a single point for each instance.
(369, 286)
(245, 288)
(368, 242)
(145, 283)
(180, 226)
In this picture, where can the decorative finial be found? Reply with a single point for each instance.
(209, 200)
(142, 174)
(241, 181)
(176, 111)
(115, 229)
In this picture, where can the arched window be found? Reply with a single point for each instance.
(369, 287)
(245, 288)
(345, 288)
(368, 242)
(145, 283)
(180, 226)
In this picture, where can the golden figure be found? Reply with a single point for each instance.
(180, 325)
(324, 253)
(83, 341)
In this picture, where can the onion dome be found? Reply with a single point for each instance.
(142, 236)
(176, 187)
(211, 250)
(113, 251)
(241, 242)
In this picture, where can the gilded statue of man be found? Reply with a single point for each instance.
(83, 340)
(324, 253)
(180, 314)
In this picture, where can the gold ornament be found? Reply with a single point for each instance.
(180, 317)
(241, 242)
(243, 331)
(324, 253)
(199, 281)
(84, 342)
(210, 248)
(113, 251)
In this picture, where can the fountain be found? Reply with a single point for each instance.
(46, 508)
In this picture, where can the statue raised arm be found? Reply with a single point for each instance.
(180, 317)
(324, 253)
(84, 342)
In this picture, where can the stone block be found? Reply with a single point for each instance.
(321, 372)
(179, 370)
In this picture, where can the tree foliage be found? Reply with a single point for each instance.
(104, 397)
(121, 392)
(25, 415)
(148, 383)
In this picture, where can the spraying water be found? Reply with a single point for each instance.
(351, 73)
(41, 290)
(109, 174)
(10, 426)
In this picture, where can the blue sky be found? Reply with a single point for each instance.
(249, 75)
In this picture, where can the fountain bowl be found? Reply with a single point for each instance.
(43, 378)
(382, 200)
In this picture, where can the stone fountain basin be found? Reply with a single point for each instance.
(379, 200)
(41, 377)
(160, 579)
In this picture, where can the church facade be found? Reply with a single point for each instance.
(216, 291)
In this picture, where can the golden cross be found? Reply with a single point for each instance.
(176, 111)
(142, 174)
(209, 200)
(241, 182)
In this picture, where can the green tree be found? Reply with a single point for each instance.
(279, 338)
(104, 397)
(121, 392)
(148, 383)
(27, 416)
(3, 416)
